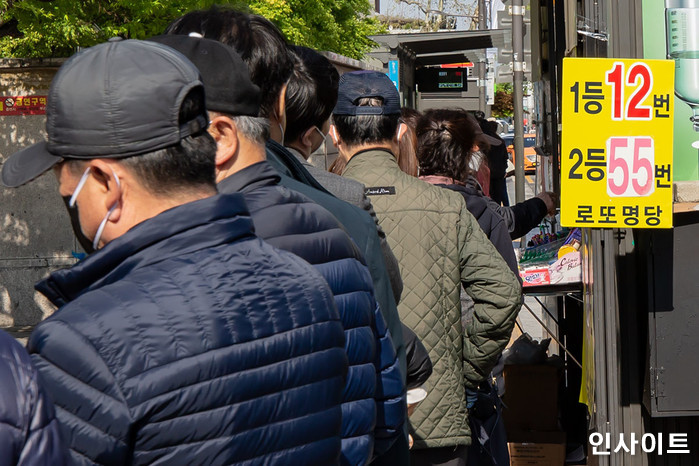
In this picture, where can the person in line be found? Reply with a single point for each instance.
(407, 146)
(407, 150)
(265, 51)
(29, 432)
(184, 338)
(496, 156)
(521, 217)
(439, 246)
(446, 140)
(310, 97)
(374, 392)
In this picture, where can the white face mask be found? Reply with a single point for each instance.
(74, 198)
(325, 146)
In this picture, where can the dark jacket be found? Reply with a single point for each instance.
(419, 362)
(291, 221)
(520, 218)
(489, 220)
(497, 159)
(357, 223)
(29, 433)
(524, 216)
(188, 340)
(497, 162)
(352, 192)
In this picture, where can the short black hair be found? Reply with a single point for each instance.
(365, 129)
(312, 92)
(261, 45)
(445, 139)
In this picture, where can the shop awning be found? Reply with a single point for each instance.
(432, 48)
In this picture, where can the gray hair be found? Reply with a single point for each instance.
(255, 129)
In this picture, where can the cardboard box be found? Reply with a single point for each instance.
(540, 449)
(531, 398)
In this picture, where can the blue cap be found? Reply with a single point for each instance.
(361, 84)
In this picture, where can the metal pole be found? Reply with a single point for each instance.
(552, 335)
(518, 94)
(482, 64)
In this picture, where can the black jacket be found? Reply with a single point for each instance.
(29, 433)
(419, 362)
(520, 218)
(188, 340)
(374, 393)
(359, 225)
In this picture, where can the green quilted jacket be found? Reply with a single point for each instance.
(440, 246)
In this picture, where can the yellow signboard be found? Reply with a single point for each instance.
(616, 152)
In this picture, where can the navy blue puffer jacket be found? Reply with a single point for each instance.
(28, 428)
(188, 340)
(374, 392)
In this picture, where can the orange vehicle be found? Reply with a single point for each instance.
(529, 152)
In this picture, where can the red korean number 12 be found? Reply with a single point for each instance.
(639, 75)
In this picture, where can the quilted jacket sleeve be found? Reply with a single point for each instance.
(94, 419)
(390, 391)
(497, 297)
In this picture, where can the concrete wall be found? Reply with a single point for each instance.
(35, 233)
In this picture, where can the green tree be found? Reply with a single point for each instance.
(504, 104)
(55, 28)
(338, 26)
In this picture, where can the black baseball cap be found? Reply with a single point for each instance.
(361, 84)
(226, 77)
(114, 100)
(478, 131)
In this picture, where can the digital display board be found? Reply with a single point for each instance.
(441, 79)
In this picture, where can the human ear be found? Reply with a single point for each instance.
(334, 136)
(280, 107)
(306, 138)
(108, 179)
(225, 134)
(402, 129)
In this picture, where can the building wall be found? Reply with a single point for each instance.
(35, 233)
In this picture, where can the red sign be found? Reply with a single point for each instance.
(457, 65)
(23, 105)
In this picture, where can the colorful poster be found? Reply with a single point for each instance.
(671, 30)
(616, 152)
(23, 105)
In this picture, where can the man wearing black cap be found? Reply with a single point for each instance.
(439, 247)
(184, 339)
(264, 49)
(374, 401)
